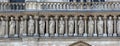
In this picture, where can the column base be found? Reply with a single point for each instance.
(104, 35)
(6, 36)
(66, 35)
(115, 34)
(24, 35)
(56, 35)
(46, 35)
(85, 35)
(36, 35)
(75, 34)
(61, 35)
(95, 35)
(16, 35)
(70, 34)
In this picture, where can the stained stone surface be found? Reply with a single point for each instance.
(58, 42)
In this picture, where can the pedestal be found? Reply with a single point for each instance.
(85, 35)
(75, 34)
(104, 35)
(56, 35)
(95, 35)
(115, 35)
(46, 35)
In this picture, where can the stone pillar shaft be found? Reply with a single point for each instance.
(56, 34)
(76, 27)
(105, 26)
(115, 26)
(95, 21)
(85, 32)
(17, 26)
(36, 26)
(47, 27)
(6, 31)
(66, 26)
(25, 25)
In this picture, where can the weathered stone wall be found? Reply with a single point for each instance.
(59, 42)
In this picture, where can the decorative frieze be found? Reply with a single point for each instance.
(59, 26)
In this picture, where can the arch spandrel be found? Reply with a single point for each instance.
(80, 43)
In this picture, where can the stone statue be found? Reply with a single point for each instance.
(2, 27)
(110, 26)
(80, 26)
(51, 26)
(118, 26)
(31, 26)
(12, 26)
(22, 28)
(100, 26)
(71, 26)
(61, 26)
(42, 26)
(90, 26)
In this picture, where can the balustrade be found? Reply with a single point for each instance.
(60, 6)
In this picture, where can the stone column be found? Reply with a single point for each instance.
(66, 26)
(7, 28)
(17, 26)
(36, 26)
(76, 27)
(115, 26)
(56, 19)
(47, 27)
(105, 27)
(85, 32)
(81, 0)
(95, 27)
(25, 25)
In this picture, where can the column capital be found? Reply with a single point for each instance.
(95, 17)
(6, 18)
(85, 17)
(25, 17)
(75, 17)
(105, 17)
(66, 17)
(16, 18)
(36, 17)
(115, 17)
(56, 17)
(46, 17)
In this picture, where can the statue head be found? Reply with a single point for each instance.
(30, 17)
(51, 18)
(119, 18)
(71, 18)
(110, 17)
(100, 18)
(80, 18)
(90, 18)
(1, 18)
(61, 18)
(11, 18)
(21, 18)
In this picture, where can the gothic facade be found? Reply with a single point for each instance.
(59, 23)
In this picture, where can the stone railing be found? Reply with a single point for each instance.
(60, 26)
(39, 6)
